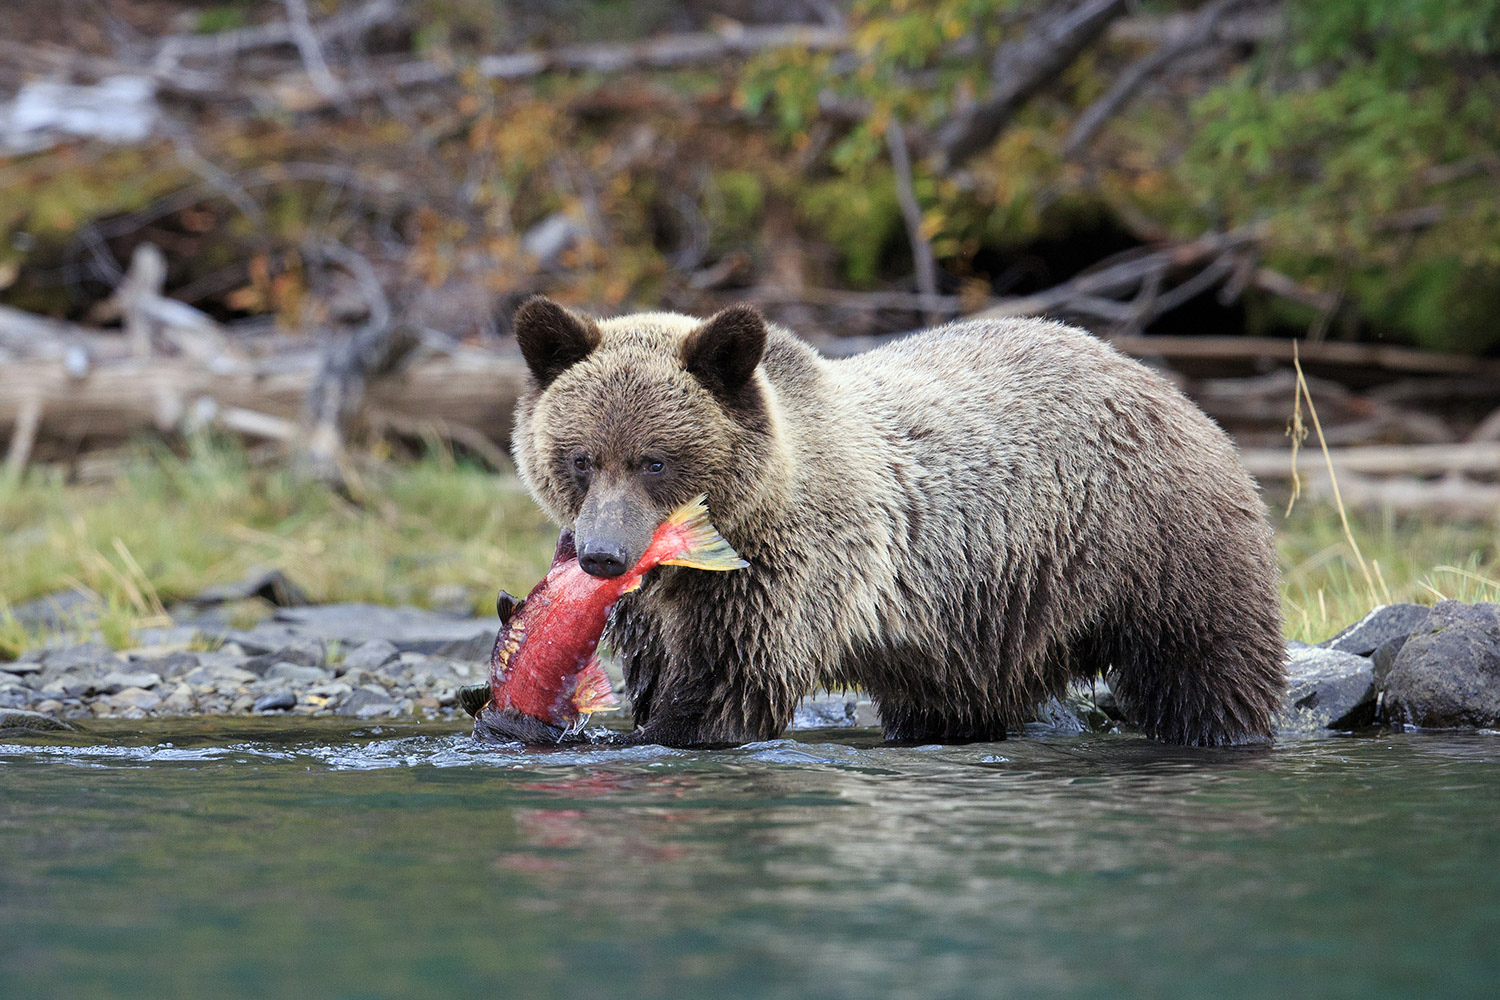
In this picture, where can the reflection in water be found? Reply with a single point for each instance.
(393, 862)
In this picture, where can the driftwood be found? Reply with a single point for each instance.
(1404, 360)
(1457, 480)
(666, 52)
(1451, 496)
(1481, 458)
(471, 392)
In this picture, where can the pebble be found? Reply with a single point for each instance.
(180, 702)
(276, 700)
(368, 701)
(119, 680)
(370, 656)
(134, 697)
(297, 674)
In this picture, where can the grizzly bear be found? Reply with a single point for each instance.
(958, 523)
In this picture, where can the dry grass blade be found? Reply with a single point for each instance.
(1297, 431)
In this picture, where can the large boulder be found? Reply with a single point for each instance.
(1447, 674)
(1387, 623)
(1326, 689)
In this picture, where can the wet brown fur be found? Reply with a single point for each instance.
(958, 523)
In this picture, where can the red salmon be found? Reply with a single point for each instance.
(545, 666)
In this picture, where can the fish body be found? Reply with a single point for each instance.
(545, 664)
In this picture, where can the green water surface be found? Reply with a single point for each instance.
(268, 859)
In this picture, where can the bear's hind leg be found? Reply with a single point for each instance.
(1204, 680)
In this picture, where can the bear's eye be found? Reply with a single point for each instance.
(654, 466)
(581, 463)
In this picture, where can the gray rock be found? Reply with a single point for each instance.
(14, 696)
(364, 678)
(220, 659)
(219, 677)
(119, 680)
(333, 691)
(23, 666)
(1447, 675)
(11, 721)
(370, 655)
(276, 700)
(408, 629)
(269, 585)
(472, 650)
(1385, 623)
(61, 610)
(305, 652)
(366, 702)
(180, 702)
(170, 665)
(87, 656)
(134, 697)
(296, 673)
(1326, 689)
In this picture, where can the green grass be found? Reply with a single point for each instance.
(1415, 559)
(168, 526)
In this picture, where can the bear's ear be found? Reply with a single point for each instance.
(552, 339)
(723, 353)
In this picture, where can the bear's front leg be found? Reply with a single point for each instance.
(714, 688)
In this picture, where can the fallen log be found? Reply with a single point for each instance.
(111, 403)
(1453, 496)
(1480, 458)
(292, 92)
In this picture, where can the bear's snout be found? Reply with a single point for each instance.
(603, 559)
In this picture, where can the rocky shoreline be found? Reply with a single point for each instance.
(1402, 664)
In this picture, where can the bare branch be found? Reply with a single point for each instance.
(1203, 30)
(911, 213)
(310, 49)
(666, 52)
(228, 44)
(1020, 70)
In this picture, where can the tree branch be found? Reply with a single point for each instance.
(1203, 30)
(911, 212)
(1020, 70)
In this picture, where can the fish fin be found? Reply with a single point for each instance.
(566, 548)
(592, 692)
(474, 697)
(507, 606)
(704, 547)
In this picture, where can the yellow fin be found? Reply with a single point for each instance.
(706, 548)
(592, 691)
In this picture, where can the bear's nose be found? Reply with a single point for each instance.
(603, 559)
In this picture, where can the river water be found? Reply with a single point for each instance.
(266, 858)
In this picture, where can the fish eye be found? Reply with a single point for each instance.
(654, 466)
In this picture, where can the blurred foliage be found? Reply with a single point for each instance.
(1365, 138)
(1361, 136)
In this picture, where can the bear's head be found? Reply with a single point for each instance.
(626, 419)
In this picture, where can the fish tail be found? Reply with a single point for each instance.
(593, 692)
(702, 545)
